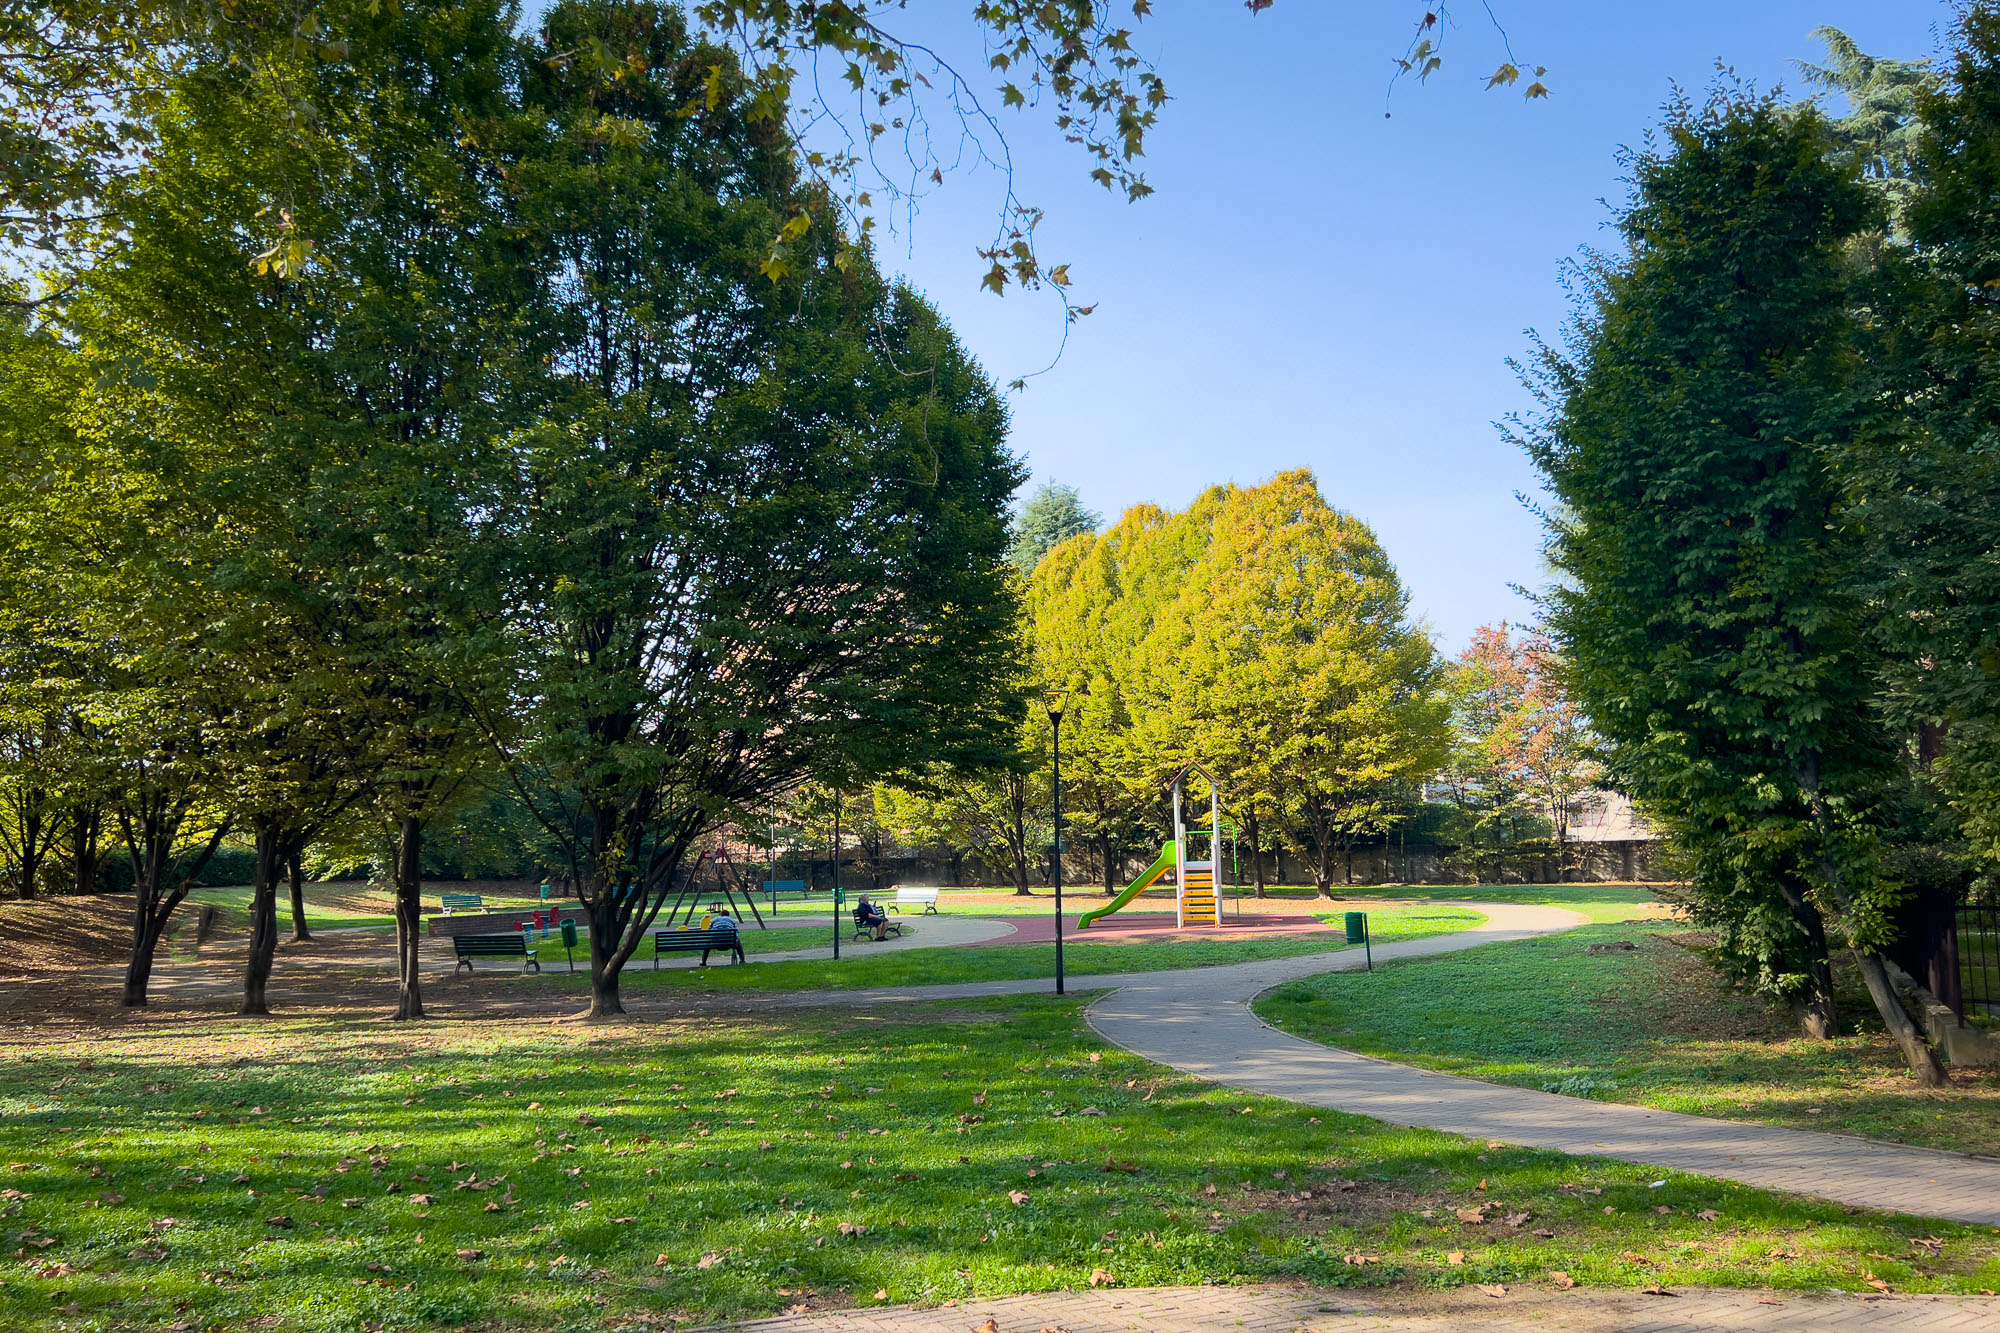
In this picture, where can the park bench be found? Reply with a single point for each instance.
(462, 902)
(862, 932)
(723, 938)
(493, 946)
(924, 898)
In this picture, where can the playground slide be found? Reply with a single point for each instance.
(1161, 865)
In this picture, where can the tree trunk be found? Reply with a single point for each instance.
(263, 918)
(1110, 873)
(1253, 834)
(409, 916)
(1819, 1015)
(32, 848)
(1017, 843)
(295, 873)
(1922, 1059)
(603, 915)
(85, 821)
(147, 926)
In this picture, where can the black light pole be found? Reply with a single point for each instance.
(1055, 700)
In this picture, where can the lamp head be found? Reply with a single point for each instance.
(1056, 699)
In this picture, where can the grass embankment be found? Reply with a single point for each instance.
(326, 1176)
(1655, 1027)
(353, 904)
(859, 970)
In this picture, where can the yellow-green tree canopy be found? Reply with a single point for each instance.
(1262, 632)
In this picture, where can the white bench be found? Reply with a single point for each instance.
(924, 898)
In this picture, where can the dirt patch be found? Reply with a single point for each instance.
(57, 935)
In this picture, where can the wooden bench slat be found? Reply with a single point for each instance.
(727, 939)
(470, 947)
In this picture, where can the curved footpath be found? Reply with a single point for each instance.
(1199, 1021)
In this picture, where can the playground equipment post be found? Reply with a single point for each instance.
(1054, 701)
(836, 877)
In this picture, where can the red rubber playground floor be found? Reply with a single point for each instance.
(1124, 927)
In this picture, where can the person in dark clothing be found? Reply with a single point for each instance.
(868, 916)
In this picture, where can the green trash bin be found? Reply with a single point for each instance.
(569, 941)
(1357, 927)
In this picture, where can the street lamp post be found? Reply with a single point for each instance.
(1056, 701)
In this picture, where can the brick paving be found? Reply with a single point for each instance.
(1272, 1309)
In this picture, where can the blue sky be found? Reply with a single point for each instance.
(1315, 285)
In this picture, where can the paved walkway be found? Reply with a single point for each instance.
(1199, 1021)
(1286, 1309)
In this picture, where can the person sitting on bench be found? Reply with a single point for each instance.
(719, 919)
(867, 915)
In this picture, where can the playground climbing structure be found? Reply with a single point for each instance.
(1197, 900)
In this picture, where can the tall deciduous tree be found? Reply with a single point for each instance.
(1711, 607)
(759, 524)
(1261, 633)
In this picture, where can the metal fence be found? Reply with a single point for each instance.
(1979, 960)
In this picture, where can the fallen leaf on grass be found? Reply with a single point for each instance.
(1874, 1281)
(1516, 1219)
(709, 1260)
(1455, 1258)
(1560, 1280)
(1472, 1216)
(1635, 1256)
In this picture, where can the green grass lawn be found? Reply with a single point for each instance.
(331, 1176)
(1654, 1027)
(1598, 902)
(859, 970)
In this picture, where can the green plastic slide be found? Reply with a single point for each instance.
(1161, 865)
